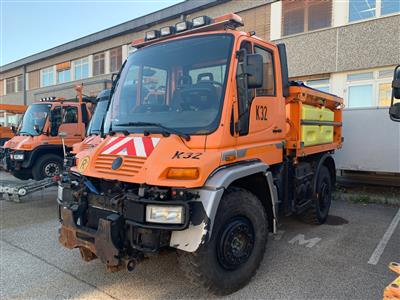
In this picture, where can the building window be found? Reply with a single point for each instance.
(390, 7)
(385, 94)
(360, 96)
(81, 68)
(369, 89)
(366, 9)
(10, 85)
(307, 15)
(63, 76)
(47, 77)
(115, 59)
(268, 87)
(98, 64)
(319, 84)
(360, 10)
(20, 83)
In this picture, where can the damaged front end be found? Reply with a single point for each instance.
(120, 223)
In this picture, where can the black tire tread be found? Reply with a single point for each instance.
(310, 216)
(37, 165)
(190, 263)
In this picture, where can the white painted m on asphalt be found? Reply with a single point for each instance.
(301, 240)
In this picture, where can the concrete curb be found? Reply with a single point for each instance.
(366, 198)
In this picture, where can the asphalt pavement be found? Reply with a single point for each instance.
(331, 261)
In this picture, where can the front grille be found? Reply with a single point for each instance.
(130, 165)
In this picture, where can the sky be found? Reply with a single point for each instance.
(31, 26)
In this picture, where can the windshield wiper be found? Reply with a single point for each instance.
(167, 129)
(25, 132)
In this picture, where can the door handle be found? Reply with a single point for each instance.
(77, 135)
(277, 130)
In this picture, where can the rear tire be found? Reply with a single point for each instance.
(46, 166)
(319, 210)
(231, 258)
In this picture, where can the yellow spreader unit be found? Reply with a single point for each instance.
(320, 133)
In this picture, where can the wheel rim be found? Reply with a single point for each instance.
(235, 243)
(51, 169)
(324, 196)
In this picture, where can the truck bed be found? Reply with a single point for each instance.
(314, 121)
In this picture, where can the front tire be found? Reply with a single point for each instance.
(46, 166)
(232, 256)
(23, 174)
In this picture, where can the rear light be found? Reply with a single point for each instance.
(167, 30)
(151, 35)
(201, 21)
(182, 26)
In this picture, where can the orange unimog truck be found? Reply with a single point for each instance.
(9, 111)
(208, 146)
(37, 150)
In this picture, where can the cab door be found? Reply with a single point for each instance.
(71, 124)
(265, 111)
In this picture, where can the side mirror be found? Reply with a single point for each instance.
(54, 119)
(255, 72)
(394, 110)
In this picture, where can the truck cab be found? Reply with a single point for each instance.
(207, 145)
(95, 127)
(36, 151)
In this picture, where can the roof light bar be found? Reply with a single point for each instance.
(53, 98)
(182, 26)
(152, 34)
(168, 30)
(231, 21)
(201, 21)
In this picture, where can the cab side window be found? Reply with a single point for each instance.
(268, 88)
(70, 114)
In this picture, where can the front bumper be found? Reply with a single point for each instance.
(121, 236)
(17, 164)
(99, 243)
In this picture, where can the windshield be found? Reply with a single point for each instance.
(179, 84)
(98, 117)
(35, 115)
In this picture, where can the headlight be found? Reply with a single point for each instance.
(164, 214)
(17, 156)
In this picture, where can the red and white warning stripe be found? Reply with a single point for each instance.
(130, 146)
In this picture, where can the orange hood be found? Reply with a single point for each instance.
(146, 160)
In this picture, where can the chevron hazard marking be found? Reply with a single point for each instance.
(130, 146)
